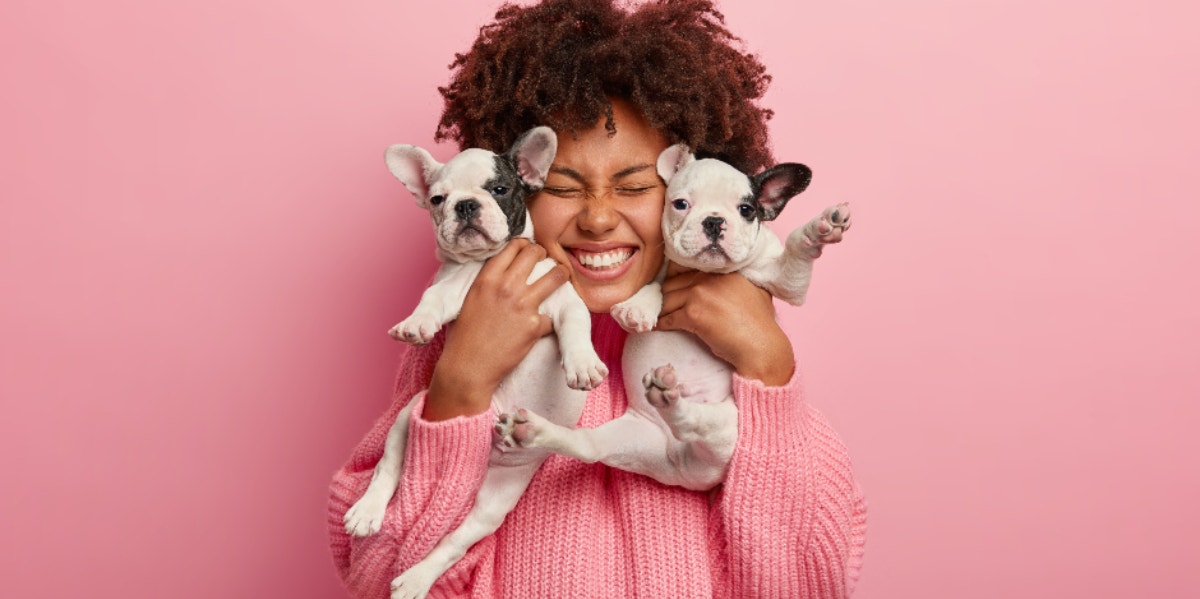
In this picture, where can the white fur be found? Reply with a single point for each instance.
(681, 425)
(537, 382)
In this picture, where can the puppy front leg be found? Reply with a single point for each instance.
(440, 303)
(573, 324)
(789, 279)
(639, 313)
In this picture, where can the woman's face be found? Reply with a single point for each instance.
(601, 209)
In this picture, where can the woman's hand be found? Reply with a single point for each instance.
(496, 328)
(734, 317)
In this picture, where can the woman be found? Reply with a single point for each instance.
(618, 87)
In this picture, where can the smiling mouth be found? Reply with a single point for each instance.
(603, 260)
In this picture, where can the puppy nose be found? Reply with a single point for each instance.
(713, 226)
(466, 209)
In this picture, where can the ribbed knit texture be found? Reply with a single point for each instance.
(789, 522)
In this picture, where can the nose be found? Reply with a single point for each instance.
(598, 215)
(466, 209)
(713, 226)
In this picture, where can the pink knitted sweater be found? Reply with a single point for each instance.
(789, 521)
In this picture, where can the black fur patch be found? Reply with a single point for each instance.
(752, 199)
(512, 202)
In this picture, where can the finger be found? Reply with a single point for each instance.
(674, 268)
(549, 282)
(501, 261)
(676, 320)
(526, 258)
(673, 300)
(683, 280)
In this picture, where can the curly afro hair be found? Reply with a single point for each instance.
(557, 63)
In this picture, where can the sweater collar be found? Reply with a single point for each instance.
(607, 337)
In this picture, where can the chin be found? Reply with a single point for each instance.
(601, 300)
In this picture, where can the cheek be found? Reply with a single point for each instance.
(548, 220)
(647, 221)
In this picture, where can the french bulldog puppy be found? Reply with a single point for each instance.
(681, 424)
(477, 204)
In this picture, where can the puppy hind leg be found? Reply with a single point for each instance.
(502, 488)
(365, 517)
(705, 432)
(632, 443)
(689, 421)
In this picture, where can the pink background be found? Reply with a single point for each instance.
(202, 250)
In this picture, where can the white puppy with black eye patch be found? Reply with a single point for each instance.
(681, 425)
(477, 203)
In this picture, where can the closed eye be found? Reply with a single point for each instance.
(564, 192)
(635, 190)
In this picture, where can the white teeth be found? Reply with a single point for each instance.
(605, 259)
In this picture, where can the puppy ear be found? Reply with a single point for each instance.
(672, 159)
(414, 167)
(778, 184)
(533, 154)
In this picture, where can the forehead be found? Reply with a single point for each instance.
(711, 178)
(472, 167)
(598, 156)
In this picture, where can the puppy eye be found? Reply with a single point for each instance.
(746, 210)
(435, 200)
(499, 191)
(680, 204)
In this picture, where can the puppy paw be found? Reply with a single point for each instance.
(833, 223)
(365, 517)
(416, 329)
(633, 318)
(662, 386)
(519, 429)
(827, 228)
(414, 583)
(584, 369)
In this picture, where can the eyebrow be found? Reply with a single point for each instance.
(631, 170)
(574, 174)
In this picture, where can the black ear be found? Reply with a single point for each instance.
(778, 184)
(533, 154)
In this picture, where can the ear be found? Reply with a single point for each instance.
(777, 185)
(672, 159)
(533, 154)
(414, 167)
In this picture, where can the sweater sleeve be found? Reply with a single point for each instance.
(790, 519)
(444, 465)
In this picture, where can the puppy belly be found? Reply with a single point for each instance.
(539, 385)
(704, 377)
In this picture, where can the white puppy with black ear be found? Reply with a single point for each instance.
(681, 425)
(477, 203)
